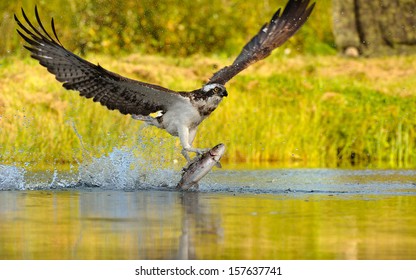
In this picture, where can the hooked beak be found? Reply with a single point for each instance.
(224, 93)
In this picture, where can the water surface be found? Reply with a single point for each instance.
(262, 214)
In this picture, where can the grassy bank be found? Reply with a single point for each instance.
(310, 111)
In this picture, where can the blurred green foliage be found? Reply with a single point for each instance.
(303, 110)
(170, 27)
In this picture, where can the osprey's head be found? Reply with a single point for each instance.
(207, 98)
(215, 89)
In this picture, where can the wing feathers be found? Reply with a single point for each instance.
(54, 31)
(134, 97)
(276, 15)
(270, 36)
(93, 81)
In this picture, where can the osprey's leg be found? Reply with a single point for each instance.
(186, 155)
(184, 138)
(187, 137)
(191, 137)
(192, 134)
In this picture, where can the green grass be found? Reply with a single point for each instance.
(312, 111)
(166, 27)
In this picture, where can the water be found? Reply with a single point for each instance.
(117, 207)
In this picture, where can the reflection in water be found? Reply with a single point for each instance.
(122, 207)
(172, 225)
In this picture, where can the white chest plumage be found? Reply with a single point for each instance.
(182, 114)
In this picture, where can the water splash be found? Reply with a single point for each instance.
(118, 170)
(121, 169)
(12, 178)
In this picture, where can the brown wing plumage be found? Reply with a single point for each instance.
(272, 35)
(92, 81)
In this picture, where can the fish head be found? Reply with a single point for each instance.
(217, 152)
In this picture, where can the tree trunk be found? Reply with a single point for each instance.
(375, 27)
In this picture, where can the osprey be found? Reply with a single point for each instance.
(180, 112)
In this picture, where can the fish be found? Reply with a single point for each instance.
(200, 167)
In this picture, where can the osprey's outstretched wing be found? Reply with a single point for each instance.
(92, 81)
(271, 35)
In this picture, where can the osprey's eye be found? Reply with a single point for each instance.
(216, 90)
